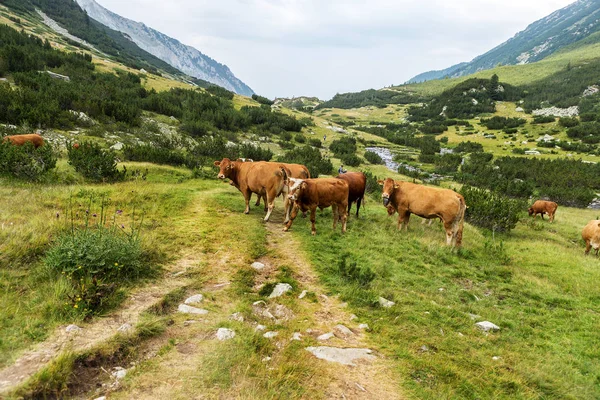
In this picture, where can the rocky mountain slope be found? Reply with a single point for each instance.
(185, 58)
(541, 39)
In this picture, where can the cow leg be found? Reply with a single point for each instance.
(292, 217)
(313, 217)
(588, 246)
(336, 214)
(551, 217)
(357, 206)
(450, 238)
(247, 196)
(271, 201)
(257, 200)
(344, 214)
(349, 207)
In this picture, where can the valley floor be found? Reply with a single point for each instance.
(535, 284)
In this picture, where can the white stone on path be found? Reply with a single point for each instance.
(385, 302)
(303, 294)
(487, 326)
(280, 289)
(225, 334)
(353, 317)
(237, 317)
(260, 328)
(258, 266)
(198, 298)
(343, 331)
(73, 328)
(326, 336)
(297, 336)
(341, 356)
(363, 326)
(119, 372)
(270, 335)
(183, 308)
(125, 327)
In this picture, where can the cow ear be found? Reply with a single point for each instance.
(380, 182)
(396, 186)
(217, 163)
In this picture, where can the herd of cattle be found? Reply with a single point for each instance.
(269, 180)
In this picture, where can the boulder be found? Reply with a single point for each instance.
(487, 326)
(385, 303)
(258, 266)
(280, 289)
(195, 299)
(185, 309)
(340, 355)
(225, 334)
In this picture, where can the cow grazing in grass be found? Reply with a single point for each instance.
(20, 140)
(543, 207)
(591, 236)
(410, 198)
(263, 178)
(391, 210)
(357, 183)
(308, 194)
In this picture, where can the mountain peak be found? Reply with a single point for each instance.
(185, 58)
(539, 40)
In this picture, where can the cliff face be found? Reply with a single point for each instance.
(185, 58)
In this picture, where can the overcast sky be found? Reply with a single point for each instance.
(284, 48)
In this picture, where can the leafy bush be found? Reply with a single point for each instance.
(502, 122)
(373, 158)
(299, 138)
(468, 147)
(492, 210)
(372, 187)
(447, 163)
(344, 145)
(26, 162)
(311, 158)
(262, 100)
(94, 162)
(220, 92)
(543, 119)
(315, 143)
(97, 258)
(154, 154)
(351, 159)
(568, 122)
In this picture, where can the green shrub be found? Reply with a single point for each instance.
(344, 145)
(468, 147)
(568, 122)
(373, 158)
(315, 143)
(26, 162)
(543, 119)
(447, 163)
(351, 159)
(154, 154)
(492, 210)
(299, 138)
(310, 157)
(372, 187)
(94, 162)
(97, 259)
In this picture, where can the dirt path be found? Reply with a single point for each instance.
(368, 379)
(100, 329)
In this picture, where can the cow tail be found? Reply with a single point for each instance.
(459, 220)
(286, 177)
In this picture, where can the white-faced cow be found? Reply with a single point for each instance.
(357, 183)
(543, 207)
(410, 198)
(591, 236)
(263, 178)
(308, 194)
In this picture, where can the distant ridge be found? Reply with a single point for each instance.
(185, 58)
(539, 40)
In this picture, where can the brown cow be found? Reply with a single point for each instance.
(20, 140)
(428, 203)
(296, 171)
(543, 207)
(308, 194)
(591, 236)
(391, 211)
(263, 178)
(357, 182)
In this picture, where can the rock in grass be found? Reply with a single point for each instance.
(326, 336)
(119, 372)
(487, 326)
(225, 334)
(343, 331)
(237, 317)
(198, 298)
(297, 336)
(73, 328)
(258, 266)
(363, 326)
(260, 328)
(341, 356)
(185, 309)
(125, 327)
(303, 294)
(270, 335)
(385, 303)
(280, 289)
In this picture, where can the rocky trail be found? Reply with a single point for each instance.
(208, 349)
